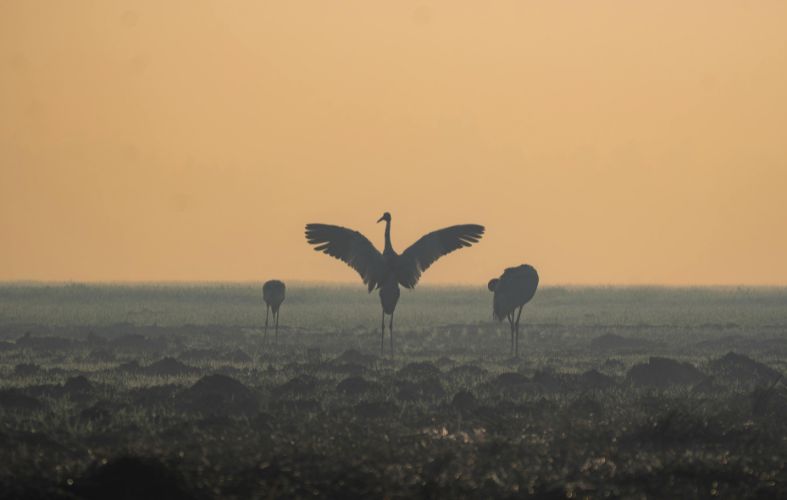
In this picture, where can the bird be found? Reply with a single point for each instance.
(387, 270)
(273, 295)
(513, 289)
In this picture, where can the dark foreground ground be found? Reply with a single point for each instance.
(171, 392)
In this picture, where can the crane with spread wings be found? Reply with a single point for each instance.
(388, 270)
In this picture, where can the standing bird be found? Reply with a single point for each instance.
(273, 295)
(513, 290)
(388, 270)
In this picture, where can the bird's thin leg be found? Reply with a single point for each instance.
(277, 327)
(390, 332)
(382, 334)
(519, 315)
(267, 311)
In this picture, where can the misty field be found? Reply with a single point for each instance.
(171, 392)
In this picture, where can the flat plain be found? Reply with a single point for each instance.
(173, 391)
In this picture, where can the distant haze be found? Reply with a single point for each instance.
(602, 142)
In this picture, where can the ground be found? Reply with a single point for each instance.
(174, 392)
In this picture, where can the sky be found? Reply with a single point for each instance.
(604, 142)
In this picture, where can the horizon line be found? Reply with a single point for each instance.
(323, 283)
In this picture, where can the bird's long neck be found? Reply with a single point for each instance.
(388, 246)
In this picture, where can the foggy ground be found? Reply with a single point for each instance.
(170, 391)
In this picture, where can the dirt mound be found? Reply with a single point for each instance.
(14, 400)
(355, 386)
(554, 382)
(169, 367)
(423, 390)
(594, 379)
(355, 357)
(612, 342)
(132, 477)
(78, 385)
(464, 401)
(301, 385)
(664, 372)
(741, 369)
(217, 395)
(418, 371)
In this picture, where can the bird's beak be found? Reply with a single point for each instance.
(381, 219)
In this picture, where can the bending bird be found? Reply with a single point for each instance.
(388, 270)
(273, 295)
(513, 289)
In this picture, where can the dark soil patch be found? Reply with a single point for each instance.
(132, 477)
(301, 385)
(218, 395)
(14, 400)
(355, 386)
(741, 369)
(664, 372)
(594, 379)
(464, 402)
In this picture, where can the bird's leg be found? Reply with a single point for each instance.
(390, 332)
(519, 315)
(382, 335)
(277, 327)
(267, 311)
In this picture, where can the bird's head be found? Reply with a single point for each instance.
(386, 217)
(492, 285)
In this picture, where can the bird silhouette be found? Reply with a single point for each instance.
(388, 270)
(273, 295)
(515, 287)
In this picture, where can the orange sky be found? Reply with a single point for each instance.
(602, 142)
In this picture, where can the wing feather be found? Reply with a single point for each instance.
(350, 247)
(424, 252)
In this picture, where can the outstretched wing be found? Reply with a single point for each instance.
(351, 247)
(424, 252)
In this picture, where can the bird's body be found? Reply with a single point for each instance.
(388, 270)
(273, 292)
(515, 287)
